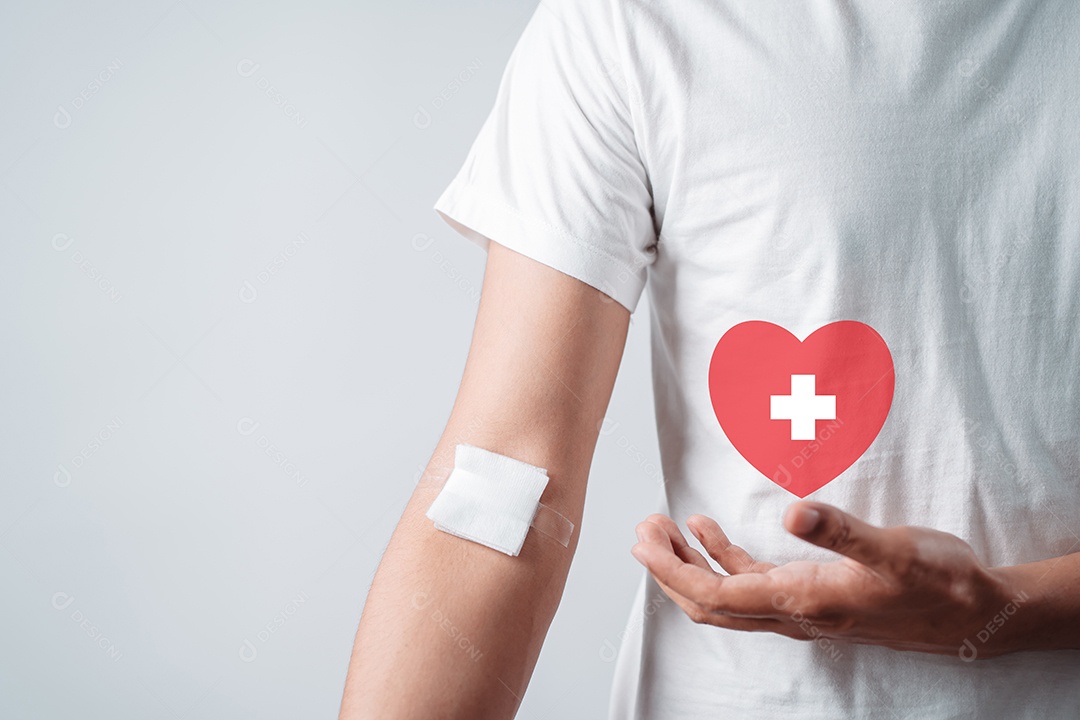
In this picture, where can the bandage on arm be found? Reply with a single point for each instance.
(452, 628)
(494, 500)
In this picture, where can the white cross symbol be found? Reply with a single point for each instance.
(802, 407)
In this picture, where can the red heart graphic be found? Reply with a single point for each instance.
(771, 394)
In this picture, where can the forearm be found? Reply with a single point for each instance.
(1041, 612)
(451, 629)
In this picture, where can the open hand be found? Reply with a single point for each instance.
(905, 588)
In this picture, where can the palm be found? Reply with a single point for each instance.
(909, 588)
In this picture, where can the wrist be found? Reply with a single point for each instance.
(1011, 620)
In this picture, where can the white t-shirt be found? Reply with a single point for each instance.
(913, 167)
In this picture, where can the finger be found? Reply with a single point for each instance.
(777, 627)
(662, 531)
(678, 541)
(731, 557)
(692, 582)
(704, 616)
(731, 622)
(688, 606)
(831, 528)
(650, 532)
(747, 595)
(708, 597)
(701, 614)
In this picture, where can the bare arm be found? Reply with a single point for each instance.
(453, 629)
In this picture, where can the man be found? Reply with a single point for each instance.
(859, 228)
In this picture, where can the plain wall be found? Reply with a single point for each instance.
(233, 329)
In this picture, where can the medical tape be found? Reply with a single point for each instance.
(493, 499)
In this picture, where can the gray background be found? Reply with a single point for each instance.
(233, 328)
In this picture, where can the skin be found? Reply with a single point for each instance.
(904, 588)
(451, 628)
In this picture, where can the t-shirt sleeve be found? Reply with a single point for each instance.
(555, 173)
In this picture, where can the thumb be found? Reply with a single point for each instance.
(832, 528)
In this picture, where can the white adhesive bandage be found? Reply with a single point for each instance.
(493, 499)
